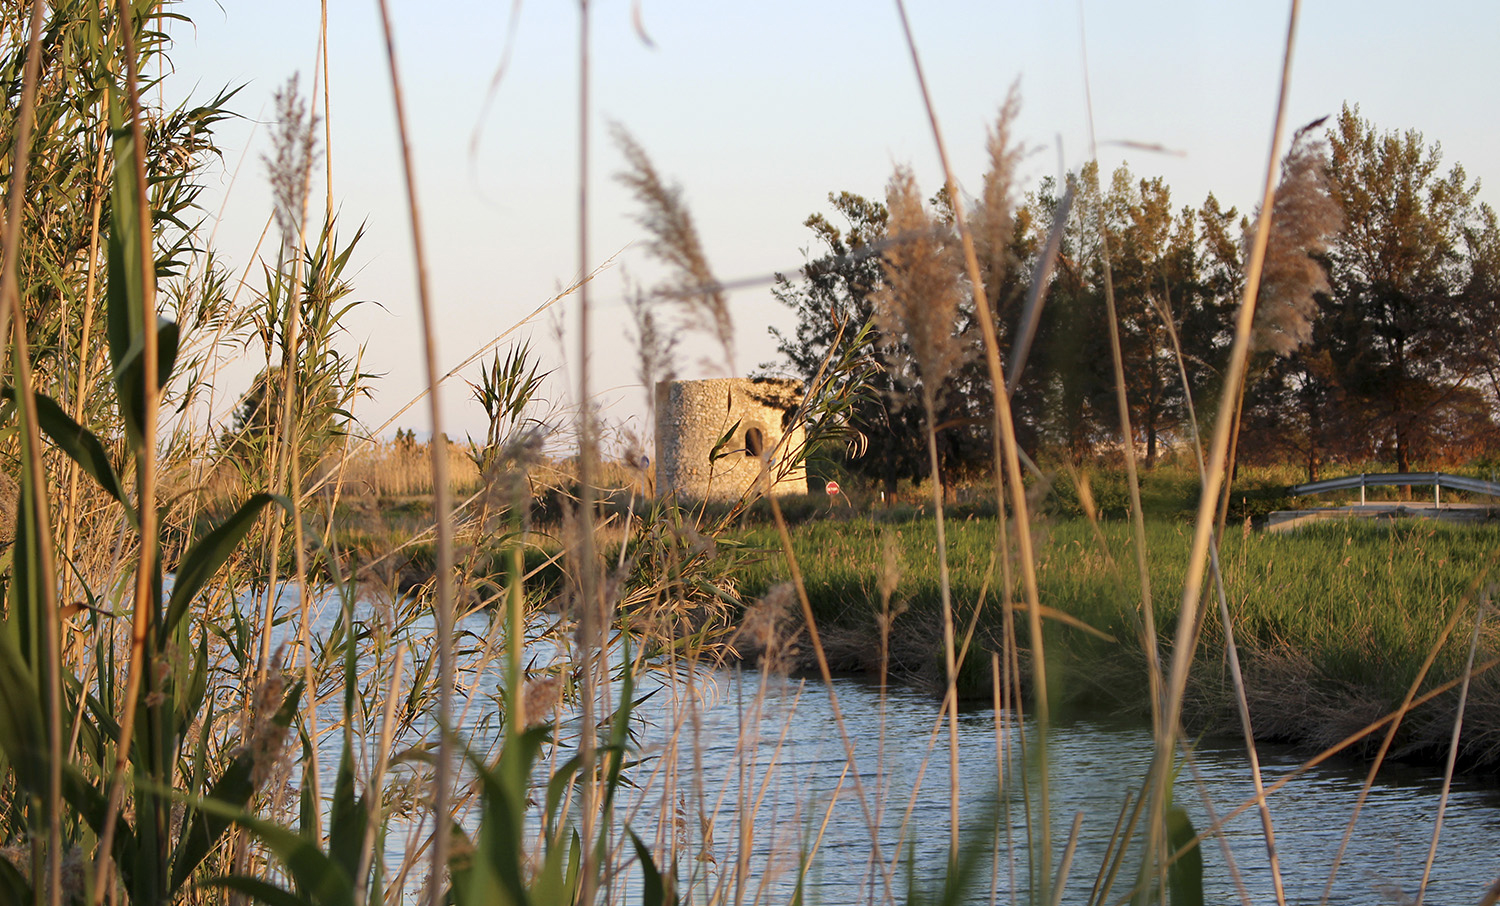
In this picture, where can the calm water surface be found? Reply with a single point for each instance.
(1094, 766)
(742, 756)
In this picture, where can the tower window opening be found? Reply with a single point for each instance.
(755, 443)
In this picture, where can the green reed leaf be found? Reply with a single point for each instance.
(210, 552)
(264, 891)
(130, 381)
(80, 444)
(320, 880)
(1184, 876)
(13, 886)
(654, 889)
(720, 447)
(348, 817)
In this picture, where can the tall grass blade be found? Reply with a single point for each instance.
(1458, 725)
(1007, 451)
(1185, 875)
(13, 886)
(1216, 461)
(654, 889)
(210, 553)
(442, 491)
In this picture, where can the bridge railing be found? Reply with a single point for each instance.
(1438, 480)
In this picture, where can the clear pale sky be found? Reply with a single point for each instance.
(759, 110)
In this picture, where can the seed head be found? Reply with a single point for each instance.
(918, 304)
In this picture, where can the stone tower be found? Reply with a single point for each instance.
(691, 417)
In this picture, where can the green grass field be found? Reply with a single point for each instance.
(1338, 612)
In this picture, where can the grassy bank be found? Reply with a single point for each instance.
(1333, 622)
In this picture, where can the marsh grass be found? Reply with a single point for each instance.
(1347, 610)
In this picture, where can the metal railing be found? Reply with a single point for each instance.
(1438, 480)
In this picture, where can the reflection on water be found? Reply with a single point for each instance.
(809, 799)
(745, 783)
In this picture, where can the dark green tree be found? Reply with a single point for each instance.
(1412, 308)
(833, 301)
(835, 298)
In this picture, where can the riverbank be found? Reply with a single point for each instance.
(1333, 624)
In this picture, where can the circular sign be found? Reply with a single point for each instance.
(832, 488)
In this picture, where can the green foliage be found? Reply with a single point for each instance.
(327, 380)
(506, 390)
(1358, 605)
(1185, 875)
(1406, 331)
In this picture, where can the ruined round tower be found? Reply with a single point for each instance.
(691, 418)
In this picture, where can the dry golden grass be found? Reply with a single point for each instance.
(394, 469)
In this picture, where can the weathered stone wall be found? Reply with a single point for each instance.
(691, 416)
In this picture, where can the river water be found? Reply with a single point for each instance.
(746, 783)
(776, 740)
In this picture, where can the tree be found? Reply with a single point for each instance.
(1411, 315)
(832, 301)
(1297, 403)
(1069, 365)
(1161, 288)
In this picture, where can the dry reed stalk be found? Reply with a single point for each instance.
(1066, 863)
(1041, 276)
(1208, 502)
(919, 301)
(833, 798)
(589, 584)
(146, 462)
(10, 307)
(442, 495)
(85, 354)
(1303, 217)
(10, 294)
(51, 617)
(1127, 437)
(327, 114)
(1330, 752)
(1006, 447)
(1115, 837)
(1002, 752)
(1492, 895)
(291, 173)
(1213, 817)
(1109, 869)
(1458, 724)
(1236, 673)
(795, 572)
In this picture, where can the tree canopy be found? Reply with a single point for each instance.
(1377, 335)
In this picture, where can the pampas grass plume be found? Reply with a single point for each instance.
(1304, 218)
(919, 301)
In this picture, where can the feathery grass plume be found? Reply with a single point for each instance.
(992, 222)
(768, 631)
(1304, 218)
(674, 240)
(656, 343)
(294, 139)
(919, 301)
